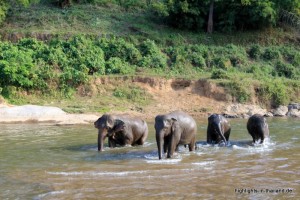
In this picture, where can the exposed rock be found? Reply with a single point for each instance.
(281, 111)
(293, 113)
(293, 110)
(293, 106)
(269, 114)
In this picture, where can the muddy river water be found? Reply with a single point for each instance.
(43, 161)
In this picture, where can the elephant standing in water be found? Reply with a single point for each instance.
(174, 129)
(121, 130)
(258, 128)
(218, 130)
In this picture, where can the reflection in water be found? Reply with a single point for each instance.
(50, 162)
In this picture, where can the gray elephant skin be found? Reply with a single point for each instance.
(173, 129)
(258, 128)
(218, 130)
(121, 130)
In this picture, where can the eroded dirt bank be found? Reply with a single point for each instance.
(199, 98)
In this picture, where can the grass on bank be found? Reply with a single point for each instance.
(109, 19)
(117, 95)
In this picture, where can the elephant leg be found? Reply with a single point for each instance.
(173, 145)
(192, 144)
(142, 140)
(256, 138)
(166, 144)
(129, 140)
(144, 137)
(227, 134)
(209, 137)
(111, 143)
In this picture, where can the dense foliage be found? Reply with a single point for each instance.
(123, 38)
(228, 15)
(6, 4)
(65, 64)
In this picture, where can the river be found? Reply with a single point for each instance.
(44, 161)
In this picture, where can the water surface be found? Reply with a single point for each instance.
(40, 161)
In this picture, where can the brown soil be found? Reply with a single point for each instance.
(198, 98)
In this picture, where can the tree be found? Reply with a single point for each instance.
(223, 15)
(210, 22)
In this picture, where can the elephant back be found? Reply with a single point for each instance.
(185, 120)
(258, 124)
(135, 124)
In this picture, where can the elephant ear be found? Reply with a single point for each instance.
(174, 124)
(109, 122)
(119, 125)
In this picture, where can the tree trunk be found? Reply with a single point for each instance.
(210, 17)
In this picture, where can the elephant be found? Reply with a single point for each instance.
(218, 130)
(258, 128)
(173, 129)
(121, 130)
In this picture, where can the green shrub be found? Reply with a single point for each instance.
(148, 47)
(178, 56)
(239, 89)
(236, 54)
(296, 59)
(271, 53)
(285, 70)
(219, 74)
(260, 70)
(116, 66)
(222, 62)
(288, 53)
(255, 51)
(30, 43)
(16, 67)
(199, 49)
(118, 47)
(274, 90)
(152, 55)
(82, 51)
(10, 92)
(71, 77)
(229, 55)
(197, 60)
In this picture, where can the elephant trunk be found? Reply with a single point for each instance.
(101, 137)
(159, 141)
(221, 133)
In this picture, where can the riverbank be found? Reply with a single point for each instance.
(55, 115)
(153, 96)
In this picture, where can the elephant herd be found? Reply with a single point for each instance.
(172, 129)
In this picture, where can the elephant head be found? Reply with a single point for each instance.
(119, 126)
(164, 128)
(105, 124)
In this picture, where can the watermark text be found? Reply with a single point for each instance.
(263, 190)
